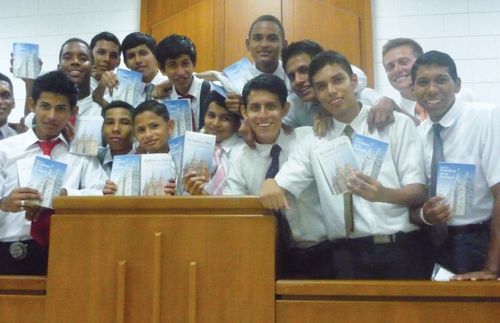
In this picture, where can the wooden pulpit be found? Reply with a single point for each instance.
(159, 259)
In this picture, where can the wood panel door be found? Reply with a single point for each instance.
(219, 27)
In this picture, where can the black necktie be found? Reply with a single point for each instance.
(148, 90)
(438, 232)
(275, 162)
(348, 204)
(437, 155)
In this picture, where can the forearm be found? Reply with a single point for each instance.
(410, 195)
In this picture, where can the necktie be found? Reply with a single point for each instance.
(1, 135)
(148, 90)
(220, 174)
(348, 204)
(438, 232)
(437, 155)
(275, 162)
(190, 97)
(47, 146)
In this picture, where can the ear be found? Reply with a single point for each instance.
(354, 81)
(74, 110)
(170, 127)
(243, 111)
(31, 104)
(458, 85)
(247, 44)
(286, 108)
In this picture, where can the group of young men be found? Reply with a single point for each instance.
(292, 110)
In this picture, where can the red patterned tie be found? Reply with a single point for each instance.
(47, 146)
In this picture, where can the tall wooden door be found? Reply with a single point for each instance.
(219, 27)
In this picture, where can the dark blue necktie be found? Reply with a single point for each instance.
(275, 162)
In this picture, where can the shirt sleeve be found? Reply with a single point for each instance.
(296, 174)
(93, 178)
(491, 147)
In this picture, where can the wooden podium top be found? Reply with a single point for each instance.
(151, 204)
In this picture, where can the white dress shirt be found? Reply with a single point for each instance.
(84, 176)
(470, 135)
(7, 131)
(250, 171)
(232, 149)
(195, 91)
(403, 165)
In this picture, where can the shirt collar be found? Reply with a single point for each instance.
(194, 88)
(31, 139)
(265, 149)
(448, 120)
(357, 124)
(229, 143)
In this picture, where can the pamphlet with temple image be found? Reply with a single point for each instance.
(26, 62)
(180, 112)
(197, 153)
(238, 73)
(47, 177)
(88, 136)
(338, 163)
(455, 182)
(176, 144)
(369, 153)
(129, 86)
(145, 174)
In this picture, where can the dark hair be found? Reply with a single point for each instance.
(308, 47)
(267, 82)
(118, 104)
(154, 106)
(55, 82)
(398, 42)
(174, 46)
(216, 97)
(435, 57)
(135, 39)
(268, 18)
(76, 40)
(105, 35)
(328, 57)
(5, 78)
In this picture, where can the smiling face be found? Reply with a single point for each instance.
(141, 59)
(264, 113)
(117, 130)
(297, 69)
(220, 122)
(397, 63)
(180, 72)
(435, 90)
(52, 113)
(106, 57)
(334, 90)
(152, 132)
(76, 62)
(265, 44)
(7, 102)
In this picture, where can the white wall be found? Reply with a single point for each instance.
(51, 22)
(468, 30)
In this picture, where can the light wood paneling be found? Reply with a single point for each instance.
(159, 238)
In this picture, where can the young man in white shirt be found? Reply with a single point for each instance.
(138, 50)
(117, 132)
(304, 106)
(398, 56)
(265, 106)
(176, 55)
(224, 125)
(375, 239)
(106, 50)
(469, 133)
(7, 103)
(53, 102)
